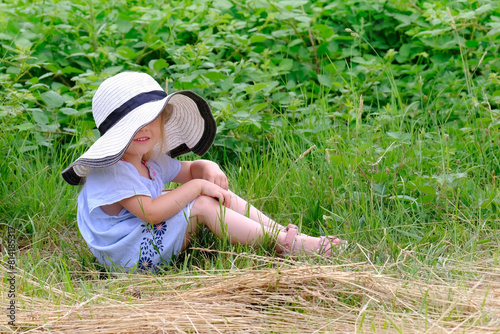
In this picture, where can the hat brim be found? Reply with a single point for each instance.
(191, 127)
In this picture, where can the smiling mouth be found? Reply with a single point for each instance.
(142, 139)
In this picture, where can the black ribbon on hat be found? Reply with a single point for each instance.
(128, 106)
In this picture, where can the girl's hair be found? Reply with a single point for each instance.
(164, 117)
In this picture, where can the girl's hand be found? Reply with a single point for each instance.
(210, 189)
(204, 170)
(212, 173)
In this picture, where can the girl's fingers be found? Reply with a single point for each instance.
(214, 180)
(219, 179)
(215, 190)
(222, 182)
(227, 200)
(217, 182)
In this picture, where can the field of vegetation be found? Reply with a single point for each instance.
(377, 121)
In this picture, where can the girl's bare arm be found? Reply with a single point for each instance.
(202, 169)
(165, 206)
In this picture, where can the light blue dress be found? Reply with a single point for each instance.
(124, 242)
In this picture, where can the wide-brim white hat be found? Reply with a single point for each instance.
(125, 103)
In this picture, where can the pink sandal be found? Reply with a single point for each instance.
(324, 245)
(291, 234)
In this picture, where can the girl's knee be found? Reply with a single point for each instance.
(202, 203)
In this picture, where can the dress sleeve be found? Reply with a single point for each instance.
(111, 184)
(166, 167)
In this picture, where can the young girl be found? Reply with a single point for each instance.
(124, 215)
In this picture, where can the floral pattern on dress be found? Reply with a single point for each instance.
(160, 229)
(146, 263)
(151, 246)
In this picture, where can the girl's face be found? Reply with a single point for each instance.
(146, 139)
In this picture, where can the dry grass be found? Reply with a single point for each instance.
(279, 296)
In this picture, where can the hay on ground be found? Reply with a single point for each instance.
(282, 298)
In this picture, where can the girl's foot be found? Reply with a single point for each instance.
(300, 244)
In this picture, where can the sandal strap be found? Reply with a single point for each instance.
(291, 234)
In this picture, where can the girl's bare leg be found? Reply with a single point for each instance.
(239, 228)
(241, 206)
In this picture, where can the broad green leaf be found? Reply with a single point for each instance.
(24, 126)
(495, 28)
(485, 8)
(325, 31)
(292, 3)
(486, 203)
(379, 188)
(361, 60)
(222, 4)
(23, 43)
(158, 64)
(405, 20)
(380, 177)
(39, 117)
(427, 198)
(213, 75)
(112, 70)
(71, 70)
(13, 70)
(188, 78)
(257, 38)
(231, 124)
(126, 52)
(48, 128)
(336, 159)
(295, 42)
(426, 189)
(255, 88)
(402, 137)
(471, 44)
(404, 52)
(259, 107)
(325, 80)
(226, 84)
(69, 111)
(303, 18)
(52, 99)
(256, 120)
(27, 148)
(46, 75)
(467, 16)
(220, 105)
(124, 26)
(285, 65)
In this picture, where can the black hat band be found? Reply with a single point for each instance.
(128, 106)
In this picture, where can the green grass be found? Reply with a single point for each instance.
(340, 196)
(366, 187)
(387, 224)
